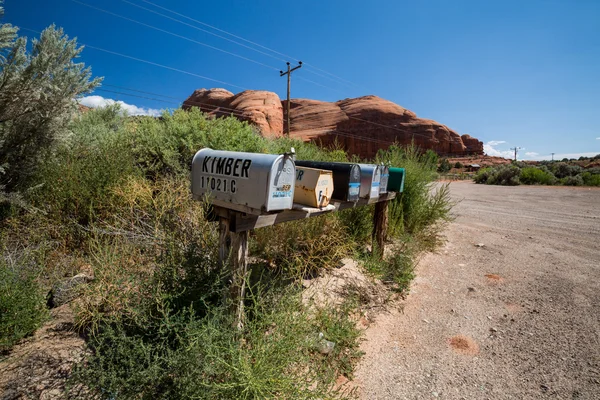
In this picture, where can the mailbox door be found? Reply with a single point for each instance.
(314, 187)
(396, 182)
(376, 183)
(369, 181)
(353, 184)
(385, 175)
(282, 177)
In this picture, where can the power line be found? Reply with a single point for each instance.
(139, 91)
(164, 66)
(173, 34)
(189, 39)
(150, 62)
(251, 42)
(202, 30)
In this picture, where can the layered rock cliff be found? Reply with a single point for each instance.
(362, 125)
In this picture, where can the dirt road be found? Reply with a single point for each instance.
(517, 318)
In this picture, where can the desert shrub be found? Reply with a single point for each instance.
(22, 299)
(562, 170)
(444, 166)
(483, 175)
(166, 146)
(500, 175)
(303, 248)
(576, 180)
(505, 175)
(179, 355)
(593, 170)
(358, 223)
(533, 175)
(458, 165)
(75, 182)
(419, 206)
(590, 179)
(397, 269)
(36, 100)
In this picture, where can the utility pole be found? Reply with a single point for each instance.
(289, 78)
(516, 149)
(553, 156)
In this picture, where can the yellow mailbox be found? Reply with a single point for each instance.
(314, 187)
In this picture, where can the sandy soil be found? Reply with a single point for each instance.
(508, 309)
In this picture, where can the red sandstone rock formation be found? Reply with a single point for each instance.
(261, 108)
(362, 125)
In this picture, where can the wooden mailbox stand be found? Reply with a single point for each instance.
(236, 220)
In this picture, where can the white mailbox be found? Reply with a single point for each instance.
(370, 180)
(262, 182)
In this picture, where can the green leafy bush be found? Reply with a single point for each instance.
(444, 166)
(22, 301)
(590, 179)
(533, 176)
(75, 183)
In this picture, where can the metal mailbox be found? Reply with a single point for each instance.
(370, 180)
(314, 187)
(396, 182)
(385, 176)
(346, 178)
(263, 182)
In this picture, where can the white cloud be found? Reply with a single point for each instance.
(598, 138)
(99, 101)
(490, 150)
(532, 154)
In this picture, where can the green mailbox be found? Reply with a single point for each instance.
(396, 180)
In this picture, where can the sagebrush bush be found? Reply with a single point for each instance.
(22, 299)
(576, 180)
(548, 173)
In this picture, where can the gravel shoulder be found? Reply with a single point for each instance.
(517, 318)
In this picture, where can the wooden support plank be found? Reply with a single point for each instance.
(245, 222)
(239, 274)
(233, 254)
(224, 240)
(380, 225)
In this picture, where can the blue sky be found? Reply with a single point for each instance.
(511, 73)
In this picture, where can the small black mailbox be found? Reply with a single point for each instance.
(346, 178)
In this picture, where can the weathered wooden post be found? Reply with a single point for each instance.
(233, 253)
(380, 226)
(239, 274)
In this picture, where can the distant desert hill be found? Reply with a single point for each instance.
(361, 125)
